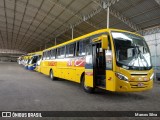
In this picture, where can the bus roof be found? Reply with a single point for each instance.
(35, 53)
(87, 35)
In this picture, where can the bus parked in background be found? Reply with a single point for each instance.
(34, 62)
(38, 67)
(110, 59)
(19, 60)
(26, 59)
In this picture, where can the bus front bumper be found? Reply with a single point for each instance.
(31, 67)
(136, 86)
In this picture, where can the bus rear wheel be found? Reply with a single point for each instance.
(86, 88)
(51, 75)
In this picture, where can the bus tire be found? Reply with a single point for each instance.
(51, 75)
(86, 88)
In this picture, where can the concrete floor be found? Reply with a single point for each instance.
(22, 90)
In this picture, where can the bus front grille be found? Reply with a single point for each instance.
(138, 85)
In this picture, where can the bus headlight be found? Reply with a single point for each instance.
(121, 77)
(151, 78)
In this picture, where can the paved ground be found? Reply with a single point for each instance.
(22, 90)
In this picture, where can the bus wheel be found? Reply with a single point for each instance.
(51, 75)
(86, 88)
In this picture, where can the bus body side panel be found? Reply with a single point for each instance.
(72, 72)
(38, 68)
(59, 68)
(110, 80)
(44, 65)
(48, 70)
(54, 68)
(79, 72)
(89, 77)
(52, 65)
(64, 69)
(41, 66)
(79, 64)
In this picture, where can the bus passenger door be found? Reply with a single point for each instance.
(95, 73)
(99, 71)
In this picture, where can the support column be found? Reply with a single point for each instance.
(72, 32)
(105, 6)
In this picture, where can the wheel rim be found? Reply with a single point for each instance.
(51, 75)
(85, 86)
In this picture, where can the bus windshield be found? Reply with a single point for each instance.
(131, 51)
(33, 60)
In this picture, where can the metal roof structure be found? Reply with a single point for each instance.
(32, 25)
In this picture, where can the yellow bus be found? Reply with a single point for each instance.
(25, 59)
(110, 59)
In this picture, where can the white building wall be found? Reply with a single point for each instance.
(153, 42)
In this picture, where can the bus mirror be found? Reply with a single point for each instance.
(104, 40)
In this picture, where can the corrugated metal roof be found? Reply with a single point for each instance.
(28, 25)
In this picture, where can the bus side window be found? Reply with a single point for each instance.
(77, 49)
(70, 50)
(53, 54)
(50, 54)
(62, 52)
(58, 52)
(47, 55)
(82, 46)
(44, 55)
(88, 51)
